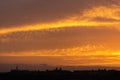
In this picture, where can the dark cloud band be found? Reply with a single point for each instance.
(61, 38)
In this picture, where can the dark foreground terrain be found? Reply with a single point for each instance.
(59, 74)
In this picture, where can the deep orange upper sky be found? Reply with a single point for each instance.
(60, 32)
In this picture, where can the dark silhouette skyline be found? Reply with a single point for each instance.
(60, 74)
(43, 67)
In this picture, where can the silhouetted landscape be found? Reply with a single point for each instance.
(60, 74)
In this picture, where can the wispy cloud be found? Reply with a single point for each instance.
(61, 38)
(36, 17)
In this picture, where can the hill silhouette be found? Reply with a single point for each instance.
(59, 74)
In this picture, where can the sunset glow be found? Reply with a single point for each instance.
(84, 34)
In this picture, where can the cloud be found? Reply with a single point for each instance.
(97, 15)
(101, 19)
(103, 13)
(61, 38)
(16, 13)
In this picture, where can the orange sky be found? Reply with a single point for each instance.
(76, 32)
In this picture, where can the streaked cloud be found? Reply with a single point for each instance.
(94, 16)
(26, 17)
(61, 38)
(27, 12)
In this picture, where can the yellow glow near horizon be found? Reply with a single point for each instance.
(70, 56)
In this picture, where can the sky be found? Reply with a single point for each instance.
(60, 32)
